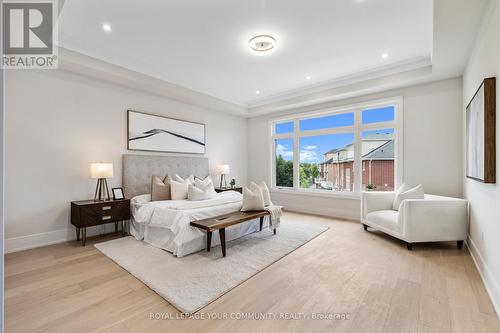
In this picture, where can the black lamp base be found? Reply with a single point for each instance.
(101, 190)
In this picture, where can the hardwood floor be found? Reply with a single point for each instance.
(368, 276)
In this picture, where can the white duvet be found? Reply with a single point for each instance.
(165, 224)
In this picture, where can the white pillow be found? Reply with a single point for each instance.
(252, 200)
(141, 199)
(180, 179)
(266, 195)
(204, 184)
(179, 190)
(396, 201)
(415, 193)
(195, 193)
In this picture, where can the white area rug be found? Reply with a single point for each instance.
(190, 283)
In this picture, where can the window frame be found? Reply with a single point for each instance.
(357, 129)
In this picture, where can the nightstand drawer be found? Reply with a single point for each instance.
(89, 213)
(101, 213)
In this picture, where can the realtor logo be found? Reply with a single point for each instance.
(28, 34)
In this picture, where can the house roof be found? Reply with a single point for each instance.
(383, 152)
(371, 137)
(327, 161)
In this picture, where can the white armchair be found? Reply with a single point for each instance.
(432, 219)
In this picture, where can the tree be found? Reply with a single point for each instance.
(284, 172)
(308, 172)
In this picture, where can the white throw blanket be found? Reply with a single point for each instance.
(276, 212)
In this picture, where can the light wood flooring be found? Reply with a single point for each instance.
(369, 276)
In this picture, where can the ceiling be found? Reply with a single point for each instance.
(203, 45)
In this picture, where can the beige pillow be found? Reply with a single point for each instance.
(179, 190)
(415, 193)
(160, 189)
(252, 200)
(266, 195)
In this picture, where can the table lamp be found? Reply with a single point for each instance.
(101, 171)
(223, 170)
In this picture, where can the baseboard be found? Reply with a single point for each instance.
(489, 281)
(16, 244)
(320, 211)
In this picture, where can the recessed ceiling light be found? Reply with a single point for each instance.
(262, 45)
(308, 77)
(106, 27)
(257, 92)
(385, 55)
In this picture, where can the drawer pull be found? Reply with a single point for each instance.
(107, 217)
(106, 207)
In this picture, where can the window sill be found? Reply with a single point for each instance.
(319, 193)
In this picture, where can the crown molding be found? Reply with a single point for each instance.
(357, 88)
(366, 82)
(369, 74)
(95, 68)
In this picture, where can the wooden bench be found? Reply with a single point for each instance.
(222, 222)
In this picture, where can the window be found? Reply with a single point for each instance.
(326, 162)
(346, 151)
(377, 158)
(284, 162)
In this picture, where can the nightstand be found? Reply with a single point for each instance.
(224, 189)
(88, 213)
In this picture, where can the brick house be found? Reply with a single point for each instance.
(337, 170)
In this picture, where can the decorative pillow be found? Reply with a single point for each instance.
(141, 199)
(415, 193)
(252, 200)
(266, 195)
(204, 184)
(396, 201)
(180, 179)
(195, 193)
(179, 190)
(160, 189)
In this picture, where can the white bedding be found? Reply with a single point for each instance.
(165, 224)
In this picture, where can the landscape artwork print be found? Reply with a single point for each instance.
(156, 133)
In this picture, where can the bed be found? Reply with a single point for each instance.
(165, 224)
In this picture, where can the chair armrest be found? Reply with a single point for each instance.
(434, 218)
(373, 201)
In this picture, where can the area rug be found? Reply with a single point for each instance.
(191, 282)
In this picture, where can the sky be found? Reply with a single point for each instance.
(312, 148)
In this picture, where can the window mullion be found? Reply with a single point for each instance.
(358, 170)
(296, 155)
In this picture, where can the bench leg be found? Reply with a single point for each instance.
(261, 222)
(274, 231)
(222, 234)
(209, 240)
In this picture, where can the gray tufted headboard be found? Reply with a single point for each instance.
(138, 169)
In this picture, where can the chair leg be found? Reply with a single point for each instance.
(365, 227)
(409, 246)
(460, 244)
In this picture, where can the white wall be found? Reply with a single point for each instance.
(57, 123)
(432, 146)
(484, 199)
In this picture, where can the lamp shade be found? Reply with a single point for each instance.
(101, 170)
(223, 169)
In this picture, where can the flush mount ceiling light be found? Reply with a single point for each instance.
(106, 27)
(262, 45)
